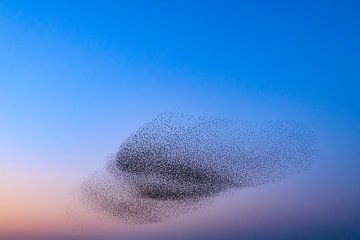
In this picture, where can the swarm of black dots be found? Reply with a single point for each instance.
(178, 163)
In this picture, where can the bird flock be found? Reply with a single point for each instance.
(177, 163)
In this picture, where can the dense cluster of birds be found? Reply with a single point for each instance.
(177, 163)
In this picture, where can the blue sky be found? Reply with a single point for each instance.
(77, 77)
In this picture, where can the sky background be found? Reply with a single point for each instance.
(77, 77)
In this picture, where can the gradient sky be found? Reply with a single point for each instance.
(77, 77)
